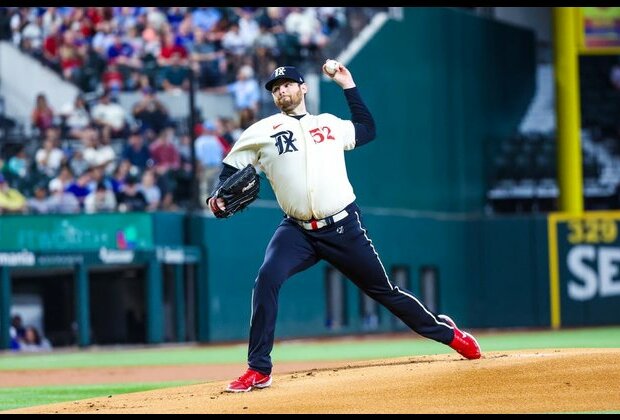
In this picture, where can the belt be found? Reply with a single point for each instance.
(314, 224)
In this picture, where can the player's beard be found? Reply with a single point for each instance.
(288, 103)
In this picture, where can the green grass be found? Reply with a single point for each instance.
(42, 395)
(346, 349)
(371, 347)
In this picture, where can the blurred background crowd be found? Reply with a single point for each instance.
(93, 154)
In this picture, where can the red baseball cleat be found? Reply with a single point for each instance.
(464, 343)
(250, 379)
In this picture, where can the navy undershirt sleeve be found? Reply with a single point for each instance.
(227, 171)
(361, 117)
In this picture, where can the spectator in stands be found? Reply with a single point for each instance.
(229, 130)
(209, 155)
(207, 60)
(98, 152)
(133, 37)
(131, 199)
(150, 112)
(247, 117)
(18, 166)
(184, 32)
(164, 152)
(150, 189)
(68, 53)
(11, 200)
(306, 26)
(76, 119)
(122, 170)
(62, 180)
(88, 76)
(42, 116)
(273, 18)
(185, 174)
(167, 163)
(109, 117)
(206, 18)
(171, 49)
(124, 18)
(245, 91)
(80, 187)
(51, 45)
(18, 21)
(103, 38)
(16, 331)
(156, 18)
(17, 324)
(102, 199)
(235, 46)
(265, 51)
(123, 55)
(32, 35)
(248, 27)
(39, 203)
(34, 341)
(332, 18)
(77, 162)
(113, 80)
(136, 152)
(98, 175)
(185, 149)
(177, 15)
(51, 20)
(61, 201)
(175, 76)
(169, 190)
(49, 156)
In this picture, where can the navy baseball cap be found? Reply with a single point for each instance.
(285, 72)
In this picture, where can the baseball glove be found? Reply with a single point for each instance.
(238, 191)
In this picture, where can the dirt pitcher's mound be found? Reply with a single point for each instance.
(534, 381)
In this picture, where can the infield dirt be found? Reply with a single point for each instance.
(530, 381)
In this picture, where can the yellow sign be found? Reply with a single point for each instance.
(601, 28)
(584, 267)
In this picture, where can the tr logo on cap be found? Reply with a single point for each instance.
(284, 72)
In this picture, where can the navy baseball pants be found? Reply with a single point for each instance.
(347, 247)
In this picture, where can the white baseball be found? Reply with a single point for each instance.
(331, 66)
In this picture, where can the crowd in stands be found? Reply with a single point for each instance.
(26, 338)
(93, 155)
(128, 48)
(92, 159)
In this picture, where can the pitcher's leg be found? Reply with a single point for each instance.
(360, 262)
(288, 253)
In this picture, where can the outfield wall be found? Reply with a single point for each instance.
(486, 272)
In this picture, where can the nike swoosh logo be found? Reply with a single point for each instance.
(277, 125)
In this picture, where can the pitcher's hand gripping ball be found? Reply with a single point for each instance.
(331, 66)
(238, 191)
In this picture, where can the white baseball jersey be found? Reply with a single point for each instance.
(303, 160)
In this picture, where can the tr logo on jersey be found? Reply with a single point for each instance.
(284, 142)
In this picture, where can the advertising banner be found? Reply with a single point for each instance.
(584, 266)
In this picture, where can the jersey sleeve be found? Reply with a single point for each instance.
(244, 151)
(348, 132)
